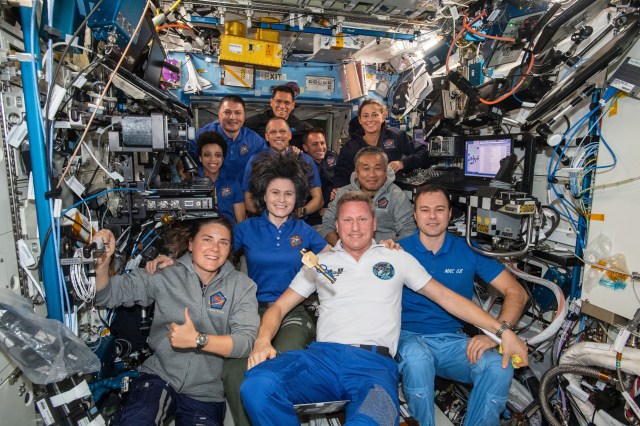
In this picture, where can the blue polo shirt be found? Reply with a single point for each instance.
(455, 265)
(239, 151)
(313, 176)
(273, 254)
(228, 193)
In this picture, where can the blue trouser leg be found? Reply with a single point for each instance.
(490, 391)
(191, 412)
(296, 332)
(372, 387)
(324, 372)
(448, 359)
(417, 367)
(150, 402)
(270, 389)
(265, 400)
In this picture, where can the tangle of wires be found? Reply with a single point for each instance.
(576, 213)
(452, 399)
(74, 37)
(84, 285)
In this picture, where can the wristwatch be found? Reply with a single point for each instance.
(201, 341)
(505, 326)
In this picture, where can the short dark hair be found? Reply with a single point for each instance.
(355, 196)
(313, 130)
(283, 88)
(371, 150)
(269, 166)
(429, 189)
(211, 138)
(233, 98)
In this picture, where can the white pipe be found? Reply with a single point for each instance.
(597, 355)
(561, 313)
(602, 355)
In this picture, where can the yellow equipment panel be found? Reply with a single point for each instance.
(244, 51)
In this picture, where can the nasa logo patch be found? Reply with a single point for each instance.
(389, 143)
(217, 301)
(225, 191)
(295, 241)
(331, 161)
(384, 270)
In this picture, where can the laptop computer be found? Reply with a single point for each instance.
(482, 155)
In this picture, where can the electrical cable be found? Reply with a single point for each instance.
(561, 312)
(610, 96)
(106, 191)
(93, 176)
(467, 24)
(549, 378)
(33, 280)
(83, 286)
(471, 30)
(100, 165)
(574, 66)
(63, 43)
(104, 92)
(176, 26)
(455, 40)
(516, 87)
(80, 73)
(555, 221)
(175, 5)
(57, 70)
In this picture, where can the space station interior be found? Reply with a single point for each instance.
(527, 109)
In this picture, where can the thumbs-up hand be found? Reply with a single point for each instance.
(183, 335)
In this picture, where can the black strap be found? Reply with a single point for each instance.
(380, 350)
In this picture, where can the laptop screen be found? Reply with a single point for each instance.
(482, 156)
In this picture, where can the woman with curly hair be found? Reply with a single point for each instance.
(272, 242)
(212, 150)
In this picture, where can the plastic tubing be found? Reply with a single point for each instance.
(561, 313)
(602, 355)
(549, 379)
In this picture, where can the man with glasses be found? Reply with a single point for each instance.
(358, 328)
(282, 105)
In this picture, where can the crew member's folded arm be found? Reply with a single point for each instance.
(468, 311)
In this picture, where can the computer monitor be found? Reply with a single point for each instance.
(482, 155)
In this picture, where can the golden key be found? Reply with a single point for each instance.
(311, 261)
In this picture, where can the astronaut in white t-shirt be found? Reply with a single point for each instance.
(357, 332)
